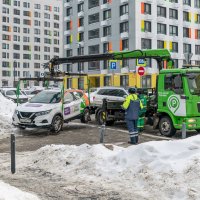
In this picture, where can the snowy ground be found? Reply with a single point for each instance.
(154, 170)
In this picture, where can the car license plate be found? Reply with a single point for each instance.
(25, 120)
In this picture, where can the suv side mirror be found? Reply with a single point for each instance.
(125, 96)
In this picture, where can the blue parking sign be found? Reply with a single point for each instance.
(141, 62)
(113, 65)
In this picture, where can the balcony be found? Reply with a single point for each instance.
(148, 17)
(67, 18)
(67, 32)
(186, 40)
(104, 39)
(161, 19)
(160, 2)
(124, 35)
(81, 29)
(124, 1)
(81, 14)
(67, 4)
(81, 44)
(105, 23)
(186, 7)
(186, 24)
(124, 17)
(67, 46)
(105, 6)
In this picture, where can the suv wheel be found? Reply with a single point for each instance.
(86, 116)
(57, 124)
(166, 127)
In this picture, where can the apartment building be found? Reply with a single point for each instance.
(31, 34)
(99, 26)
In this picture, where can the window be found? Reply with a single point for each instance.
(16, 46)
(94, 49)
(107, 80)
(106, 31)
(125, 63)
(147, 26)
(36, 39)
(197, 34)
(26, 30)
(26, 65)
(92, 18)
(187, 2)
(5, 46)
(69, 11)
(175, 47)
(16, 12)
(80, 7)
(37, 31)
(36, 48)
(197, 49)
(197, 3)
(26, 13)
(5, 37)
(186, 16)
(37, 15)
(172, 83)
(106, 14)
(46, 7)
(5, 73)
(186, 32)
(26, 39)
(81, 83)
(36, 23)
(6, 2)
(146, 81)
(69, 52)
(69, 67)
(80, 66)
(5, 10)
(161, 11)
(16, 38)
(5, 28)
(186, 48)
(56, 25)
(5, 64)
(92, 34)
(124, 27)
(81, 21)
(173, 14)
(27, 56)
(16, 20)
(160, 44)
(145, 43)
(16, 55)
(175, 63)
(26, 47)
(16, 3)
(81, 36)
(68, 39)
(173, 1)
(68, 27)
(26, 22)
(93, 3)
(5, 55)
(47, 41)
(47, 24)
(69, 82)
(95, 65)
(26, 5)
(56, 17)
(5, 19)
(123, 9)
(105, 64)
(125, 44)
(47, 16)
(80, 51)
(173, 30)
(36, 57)
(37, 6)
(124, 80)
(161, 29)
(147, 8)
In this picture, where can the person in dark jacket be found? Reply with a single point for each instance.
(132, 106)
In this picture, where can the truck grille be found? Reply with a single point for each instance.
(198, 107)
(26, 114)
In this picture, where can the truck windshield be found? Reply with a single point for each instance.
(194, 83)
(46, 97)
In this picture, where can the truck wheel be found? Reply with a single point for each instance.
(166, 127)
(99, 117)
(86, 116)
(57, 124)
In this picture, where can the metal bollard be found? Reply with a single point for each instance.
(12, 145)
(102, 133)
(183, 130)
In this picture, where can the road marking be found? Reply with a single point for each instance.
(123, 131)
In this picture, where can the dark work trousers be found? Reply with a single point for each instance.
(133, 130)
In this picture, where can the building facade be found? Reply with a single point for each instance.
(31, 34)
(100, 26)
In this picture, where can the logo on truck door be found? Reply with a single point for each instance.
(176, 105)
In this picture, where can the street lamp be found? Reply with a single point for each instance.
(14, 62)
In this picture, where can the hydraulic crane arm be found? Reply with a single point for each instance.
(157, 54)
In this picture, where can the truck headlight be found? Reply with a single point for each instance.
(42, 113)
(191, 120)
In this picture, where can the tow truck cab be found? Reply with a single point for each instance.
(178, 98)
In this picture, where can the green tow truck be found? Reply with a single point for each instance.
(177, 94)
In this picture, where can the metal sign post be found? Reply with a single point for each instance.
(12, 145)
(113, 67)
(103, 127)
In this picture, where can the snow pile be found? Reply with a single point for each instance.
(7, 108)
(143, 169)
(8, 192)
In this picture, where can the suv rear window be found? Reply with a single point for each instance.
(111, 92)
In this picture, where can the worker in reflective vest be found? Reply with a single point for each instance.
(132, 106)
